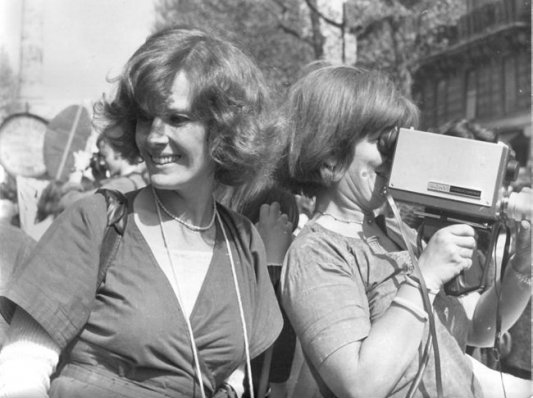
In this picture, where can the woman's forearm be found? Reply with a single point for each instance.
(515, 292)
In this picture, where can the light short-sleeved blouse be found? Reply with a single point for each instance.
(333, 289)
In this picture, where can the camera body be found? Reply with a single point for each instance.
(463, 177)
(98, 166)
(457, 180)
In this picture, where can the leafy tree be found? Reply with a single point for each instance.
(396, 35)
(8, 86)
(285, 35)
(278, 34)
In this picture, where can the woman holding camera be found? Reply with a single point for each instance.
(348, 285)
(187, 299)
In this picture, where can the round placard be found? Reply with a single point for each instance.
(21, 145)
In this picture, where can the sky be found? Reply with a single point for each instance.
(84, 42)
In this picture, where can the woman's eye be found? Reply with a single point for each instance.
(177, 120)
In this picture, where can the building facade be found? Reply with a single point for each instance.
(484, 75)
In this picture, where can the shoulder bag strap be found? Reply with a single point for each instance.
(117, 210)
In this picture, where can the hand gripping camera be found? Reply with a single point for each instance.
(457, 180)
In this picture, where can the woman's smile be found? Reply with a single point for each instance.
(163, 160)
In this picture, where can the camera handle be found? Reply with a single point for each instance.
(459, 285)
(432, 338)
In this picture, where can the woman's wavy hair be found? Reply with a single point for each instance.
(228, 94)
(327, 112)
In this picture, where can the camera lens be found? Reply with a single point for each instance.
(519, 205)
(98, 166)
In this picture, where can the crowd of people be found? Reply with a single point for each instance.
(213, 285)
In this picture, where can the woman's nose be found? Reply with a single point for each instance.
(157, 134)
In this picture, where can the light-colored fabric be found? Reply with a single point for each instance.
(334, 288)
(201, 261)
(15, 247)
(236, 381)
(27, 360)
(497, 385)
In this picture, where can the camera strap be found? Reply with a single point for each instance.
(432, 339)
(503, 266)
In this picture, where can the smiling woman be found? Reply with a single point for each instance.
(163, 320)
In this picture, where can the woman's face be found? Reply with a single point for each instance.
(175, 149)
(112, 159)
(367, 175)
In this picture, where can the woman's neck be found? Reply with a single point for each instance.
(342, 216)
(195, 209)
(341, 208)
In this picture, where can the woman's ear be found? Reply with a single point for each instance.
(329, 171)
(330, 163)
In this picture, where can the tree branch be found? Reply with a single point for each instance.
(321, 15)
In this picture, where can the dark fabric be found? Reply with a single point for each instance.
(283, 348)
(125, 183)
(133, 325)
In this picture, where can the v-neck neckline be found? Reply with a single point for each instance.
(217, 248)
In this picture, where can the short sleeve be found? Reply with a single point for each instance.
(57, 283)
(323, 295)
(267, 319)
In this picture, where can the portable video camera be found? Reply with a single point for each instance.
(457, 180)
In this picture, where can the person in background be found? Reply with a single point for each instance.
(513, 354)
(110, 167)
(186, 301)
(275, 213)
(123, 171)
(347, 284)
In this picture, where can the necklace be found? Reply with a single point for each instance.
(183, 222)
(369, 219)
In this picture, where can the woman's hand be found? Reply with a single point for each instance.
(275, 230)
(448, 252)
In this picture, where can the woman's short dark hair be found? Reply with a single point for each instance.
(228, 94)
(328, 111)
(465, 128)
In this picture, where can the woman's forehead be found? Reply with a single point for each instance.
(179, 98)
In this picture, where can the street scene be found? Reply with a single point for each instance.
(275, 198)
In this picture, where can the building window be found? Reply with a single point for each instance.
(471, 94)
(484, 108)
(509, 84)
(442, 116)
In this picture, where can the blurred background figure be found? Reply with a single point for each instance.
(513, 354)
(110, 167)
(275, 213)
